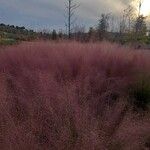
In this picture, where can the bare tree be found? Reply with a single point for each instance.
(71, 6)
(140, 2)
(112, 23)
(129, 17)
(122, 25)
(140, 25)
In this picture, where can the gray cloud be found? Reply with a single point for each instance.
(49, 13)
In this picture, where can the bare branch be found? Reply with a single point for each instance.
(70, 8)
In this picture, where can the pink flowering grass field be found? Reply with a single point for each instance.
(74, 96)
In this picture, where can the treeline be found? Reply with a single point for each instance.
(16, 33)
(10, 34)
(127, 31)
(129, 27)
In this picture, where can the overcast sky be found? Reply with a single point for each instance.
(49, 14)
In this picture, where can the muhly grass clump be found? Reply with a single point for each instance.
(73, 96)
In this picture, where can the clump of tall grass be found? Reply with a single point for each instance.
(65, 96)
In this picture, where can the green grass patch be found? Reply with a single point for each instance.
(7, 41)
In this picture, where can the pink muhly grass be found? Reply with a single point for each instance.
(65, 96)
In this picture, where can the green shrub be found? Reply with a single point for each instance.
(139, 92)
